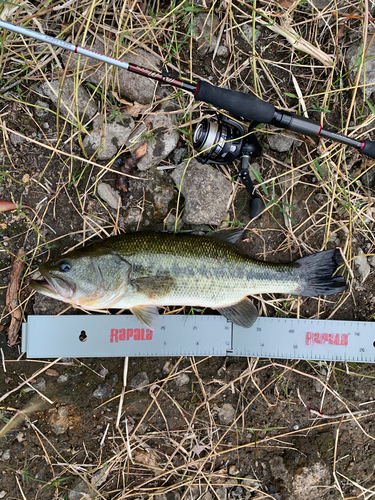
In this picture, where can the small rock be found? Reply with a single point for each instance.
(237, 492)
(226, 414)
(163, 496)
(63, 378)
(182, 379)
(140, 381)
(60, 421)
(205, 29)
(82, 491)
(368, 178)
(362, 265)
(371, 260)
(233, 470)
(86, 106)
(41, 109)
(103, 391)
(368, 68)
(109, 195)
(145, 458)
(5, 456)
(16, 139)
(305, 484)
(246, 31)
(40, 385)
(2, 493)
(178, 154)
(206, 192)
(107, 138)
(280, 142)
(26, 178)
(162, 139)
(132, 216)
(221, 493)
(168, 365)
(170, 223)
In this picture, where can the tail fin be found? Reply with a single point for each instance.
(317, 273)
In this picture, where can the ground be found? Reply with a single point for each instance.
(187, 427)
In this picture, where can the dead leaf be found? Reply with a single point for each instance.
(11, 299)
(133, 108)
(145, 458)
(52, 373)
(128, 166)
(198, 448)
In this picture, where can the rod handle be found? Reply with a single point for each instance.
(240, 104)
(368, 148)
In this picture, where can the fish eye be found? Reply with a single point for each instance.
(64, 267)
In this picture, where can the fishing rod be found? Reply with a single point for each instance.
(220, 140)
(240, 104)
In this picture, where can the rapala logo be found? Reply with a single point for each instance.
(119, 334)
(326, 338)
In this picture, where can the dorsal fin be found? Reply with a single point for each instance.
(232, 236)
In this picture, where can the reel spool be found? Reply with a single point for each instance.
(220, 140)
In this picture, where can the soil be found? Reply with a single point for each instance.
(226, 428)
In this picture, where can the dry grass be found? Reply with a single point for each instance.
(299, 67)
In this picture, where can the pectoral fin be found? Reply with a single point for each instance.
(148, 315)
(243, 313)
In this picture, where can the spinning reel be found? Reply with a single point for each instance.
(222, 140)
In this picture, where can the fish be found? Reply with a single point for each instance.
(142, 271)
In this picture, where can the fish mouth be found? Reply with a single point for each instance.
(55, 287)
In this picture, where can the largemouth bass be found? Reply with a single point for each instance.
(143, 271)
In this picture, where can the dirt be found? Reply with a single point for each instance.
(237, 428)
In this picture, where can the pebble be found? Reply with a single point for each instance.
(182, 379)
(280, 142)
(226, 414)
(109, 195)
(42, 109)
(103, 391)
(140, 381)
(204, 29)
(86, 106)
(5, 455)
(362, 265)
(39, 385)
(62, 378)
(233, 470)
(16, 139)
(60, 421)
(168, 365)
(2, 493)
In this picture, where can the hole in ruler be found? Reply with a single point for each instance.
(82, 336)
(373, 343)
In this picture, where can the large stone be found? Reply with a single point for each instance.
(107, 137)
(161, 136)
(206, 192)
(68, 105)
(368, 68)
(132, 86)
(205, 31)
(281, 143)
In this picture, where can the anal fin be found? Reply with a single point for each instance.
(148, 315)
(244, 313)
